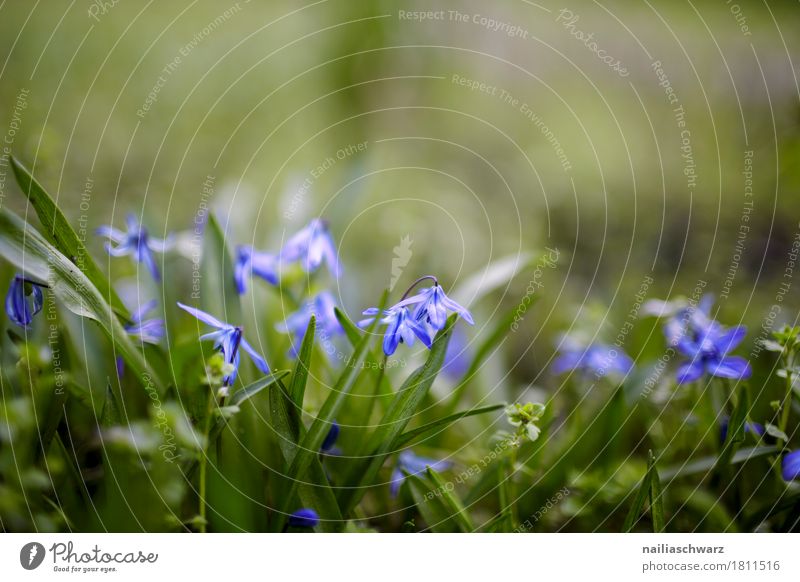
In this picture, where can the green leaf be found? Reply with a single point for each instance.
(638, 503)
(110, 415)
(310, 444)
(400, 412)
(736, 432)
(23, 246)
(316, 493)
(251, 390)
(432, 507)
(650, 490)
(351, 330)
(218, 293)
(60, 234)
(297, 388)
(656, 496)
(451, 501)
(410, 436)
(491, 277)
(707, 463)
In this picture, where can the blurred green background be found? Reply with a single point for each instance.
(145, 101)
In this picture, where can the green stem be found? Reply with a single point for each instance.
(786, 405)
(204, 462)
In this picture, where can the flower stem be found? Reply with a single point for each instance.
(417, 282)
(786, 405)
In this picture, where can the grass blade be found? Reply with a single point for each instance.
(410, 436)
(316, 493)
(297, 388)
(656, 496)
(451, 501)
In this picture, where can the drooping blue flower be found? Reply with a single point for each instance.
(322, 307)
(312, 246)
(228, 338)
(304, 517)
(707, 350)
(251, 262)
(147, 330)
(328, 446)
(24, 300)
(597, 359)
(790, 466)
(432, 306)
(401, 327)
(135, 242)
(751, 427)
(410, 464)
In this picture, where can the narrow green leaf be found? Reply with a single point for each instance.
(218, 293)
(431, 506)
(110, 415)
(297, 388)
(316, 493)
(351, 330)
(638, 502)
(491, 277)
(400, 412)
(707, 463)
(60, 234)
(451, 501)
(23, 246)
(410, 436)
(251, 390)
(736, 432)
(656, 496)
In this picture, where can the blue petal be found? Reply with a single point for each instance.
(149, 260)
(110, 232)
(729, 367)
(257, 358)
(730, 339)
(689, 371)
(790, 466)
(143, 310)
(203, 316)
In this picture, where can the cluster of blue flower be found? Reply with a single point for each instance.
(418, 316)
(690, 329)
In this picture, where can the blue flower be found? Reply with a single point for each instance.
(322, 307)
(708, 350)
(136, 242)
(312, 246)
(251, 262)
(401, 327)
(328, 446)
(410, 464)
(597, 359)
(432, 306)
(24, 300)
(304, 517)
(228, 338)
(689, 320)
(790, 466)
(751, 427)
(148, 330)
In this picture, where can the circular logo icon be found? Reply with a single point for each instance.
(31, 555)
